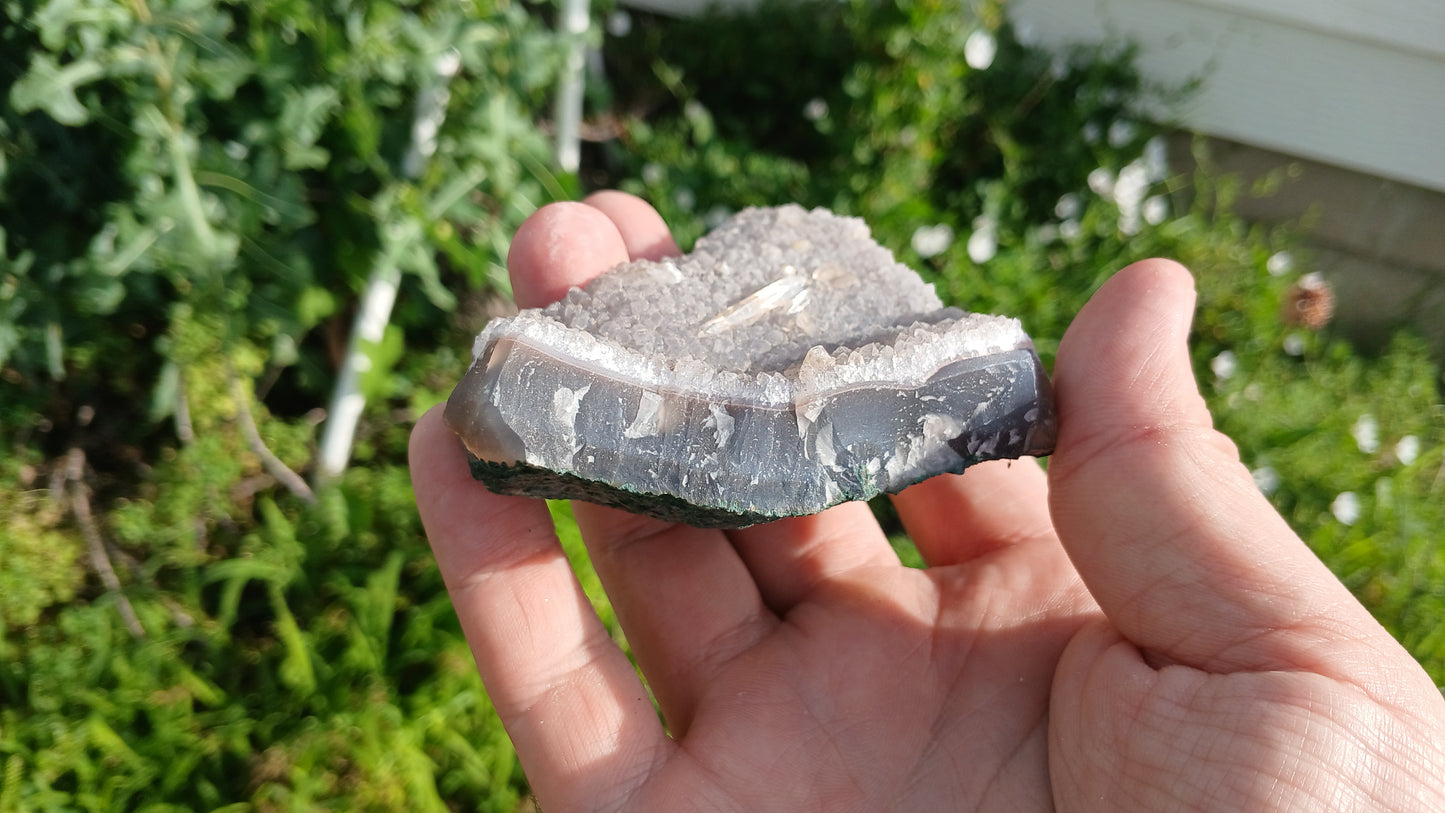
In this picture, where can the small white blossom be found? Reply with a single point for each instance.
(448, 63)
(715, 216)
(980, 49)
(1156, 210)
(1266, 479)
(1407, 451)
(931, 241)
(1101, 180)
(653, 173)
(1294, 344)
(1280, 262)
(694, 110)
(1129, 190)
(1092, 133)
(1071, 229)
(236, 151)
(1047, 233)
(983, 244)
(1069, 206)
(1346, 507)
(1224, 365)
(1131, 186)
(684, 198)
(1366, 432)
(619, 23)
(816, 109)
(1121, 132)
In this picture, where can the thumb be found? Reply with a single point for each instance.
(1164, 524)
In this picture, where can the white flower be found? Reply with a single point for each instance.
(1092, 133)
(1129, 190)
(236, 151)
(983, 244)
(1068, 207)
(1071, 229)
(1407, 451)
(448, 63)
(816, 109)
(1266, 479)
(1294, 344)
(1131, 186)
(1156, 210)
(619, 23)
(653, 173)
(931, 241)
(980, 49)
(1346, 507)
(715, 216)
(1279, 262)
(1366, 432)
(1224, 365)
(1101, 180)
(684, 198)
(1047, 233)
(1121, 132)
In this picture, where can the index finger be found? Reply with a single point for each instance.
(565, 692)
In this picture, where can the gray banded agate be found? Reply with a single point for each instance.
(787, 364)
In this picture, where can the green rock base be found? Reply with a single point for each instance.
(523, 480)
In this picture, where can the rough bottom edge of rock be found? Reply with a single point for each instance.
(524, 480)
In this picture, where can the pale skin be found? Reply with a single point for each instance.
(1137, 629)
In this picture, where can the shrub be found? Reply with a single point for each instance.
(192, 192)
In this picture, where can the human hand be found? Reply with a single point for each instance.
(1135, 630)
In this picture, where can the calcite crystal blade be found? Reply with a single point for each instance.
(787, 364)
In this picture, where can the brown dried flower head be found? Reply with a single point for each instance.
(1309, 303)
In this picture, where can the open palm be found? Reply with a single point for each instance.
(1210, 662)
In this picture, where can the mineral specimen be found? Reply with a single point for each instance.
(787, 364)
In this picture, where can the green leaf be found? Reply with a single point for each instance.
(49, 87)
(304, 115)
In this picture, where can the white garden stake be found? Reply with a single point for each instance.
(347, 401)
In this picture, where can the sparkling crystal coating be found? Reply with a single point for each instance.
(787, 364)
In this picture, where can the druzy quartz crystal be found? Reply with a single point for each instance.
(787, 364)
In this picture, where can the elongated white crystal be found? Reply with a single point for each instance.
(787, 364)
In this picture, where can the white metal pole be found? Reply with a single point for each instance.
(574, 23)
(347, 400)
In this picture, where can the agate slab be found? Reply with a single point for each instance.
(787, 364)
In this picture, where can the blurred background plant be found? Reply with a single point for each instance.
(194, 194)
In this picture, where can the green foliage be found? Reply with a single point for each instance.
(42, 561)
(245, 166)
(191, 194)
(193, 191)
